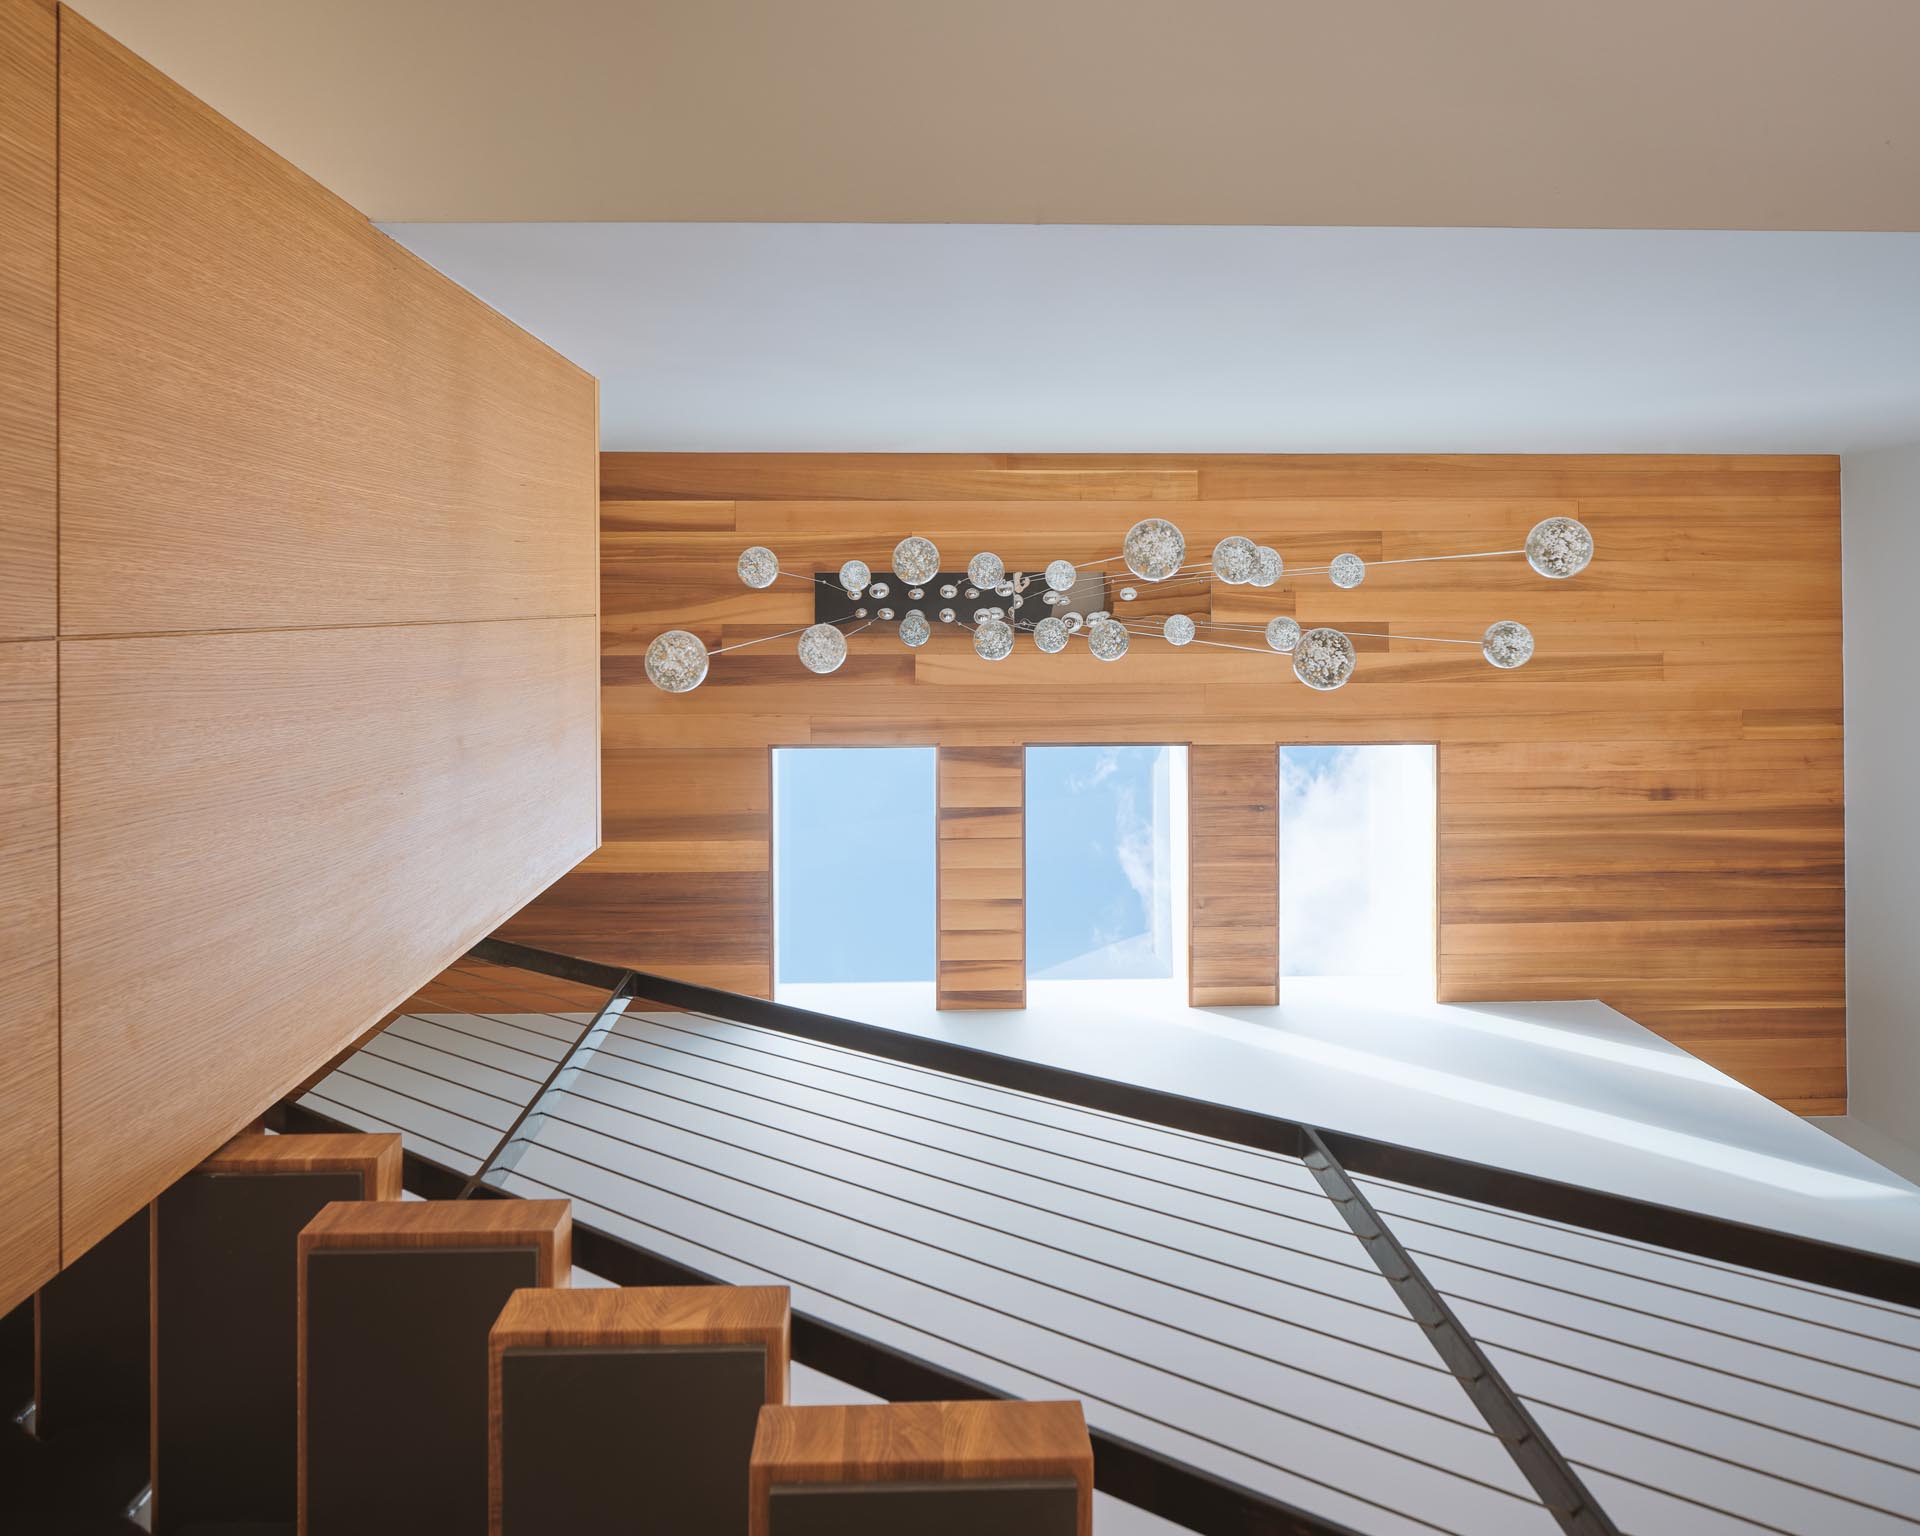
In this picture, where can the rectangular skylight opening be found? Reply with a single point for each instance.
(855, 831)
(1107, 864)
(1358, 837)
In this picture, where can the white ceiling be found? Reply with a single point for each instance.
(1621, 114)
(1009, 338)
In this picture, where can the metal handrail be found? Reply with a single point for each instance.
(1152, 1479)
(1788, 1256)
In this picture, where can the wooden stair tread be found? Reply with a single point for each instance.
(543, 1224)
(375, 1156)
(639, 1317)
(921, 1442)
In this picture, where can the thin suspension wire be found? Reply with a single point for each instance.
(741, 645)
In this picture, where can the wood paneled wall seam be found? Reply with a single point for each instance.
(328, 626)
(1649, 812)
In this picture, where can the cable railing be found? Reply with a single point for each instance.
(1273, 1326)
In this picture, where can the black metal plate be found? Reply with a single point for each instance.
(1041, 1507)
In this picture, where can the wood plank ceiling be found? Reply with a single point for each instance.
(1649, 813)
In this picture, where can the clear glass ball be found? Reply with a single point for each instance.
(1267, 565)
(993, 640)
(1324, 659)
(947, 615)
(854, 576)
(677, 661)
(1347, 571)
(758, 566)
(878, 589)
(1178, 630)
(972, 593)
(1108, 640)
(1127, 594)
(948, 589)
(1153, 549)
(1283, 634)
(1559, 547)
(914, 628)
(916, 594)
(1051, 635)
(986, 570)
(1061, 575)
(1234, 560)
(1507, 644)
(884, 613)
(822, 648)
(916, 561)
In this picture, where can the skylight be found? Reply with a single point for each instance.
(1357, 836)
(854, 836)
(1106, 862)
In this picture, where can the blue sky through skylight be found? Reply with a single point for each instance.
(1106, 862)
(854, 834)
(1357, 861)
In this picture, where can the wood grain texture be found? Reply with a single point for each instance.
(268, 839)
(29, 972)
(543, 1225)
(274, 415)
(652, 1317)
(1648, 813)
(374, 1156)
(920, 1442)
(981, 951)
(1233, 814)
(28, 245)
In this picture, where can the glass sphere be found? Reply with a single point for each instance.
(859, 613)
(986, 570)
(993, 640)
(971, 593)
(758, 566)
(1234, 560)
(822, 648)
(916, 561)
(948, 589)
(1005, 589)
(878, 589)
(1061, 575)
(982, 615)
(854, 576)
(1053, 599)
(1347, 571)
(1051, 635)
(1127, 594)
(1267, 565)
(1108, 640)
(916, 594)
(1283, 634)
(1323, 659)
(884, 613)
(1559, 547)
(914, 628)
(1178, 630)
(1099, 615)
(1507, 644)
(1075, 623)
(1153, 549)
(947, 615)
(676, 661)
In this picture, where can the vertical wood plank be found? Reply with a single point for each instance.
(28, 222)
(982, 948)
(1234, 882)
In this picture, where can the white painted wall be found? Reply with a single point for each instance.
(1880, 520)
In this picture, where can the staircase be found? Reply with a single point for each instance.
(281, 1343)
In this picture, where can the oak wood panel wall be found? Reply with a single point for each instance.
(29, 972)
(1649, 812)
(1233, 884)
(328, 681)
(981, 948)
